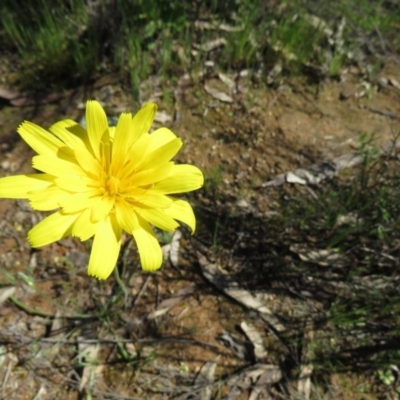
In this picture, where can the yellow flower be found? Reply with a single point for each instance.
(104, 180)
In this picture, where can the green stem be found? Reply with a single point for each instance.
(43, 314)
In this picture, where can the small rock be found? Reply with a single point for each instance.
(243, 203)
(5, 165)
(394, 82)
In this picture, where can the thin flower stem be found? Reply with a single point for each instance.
(43, 314)
(120, 284)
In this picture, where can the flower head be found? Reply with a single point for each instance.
(105, 180)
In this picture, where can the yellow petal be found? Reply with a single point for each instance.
(80, 136)
(183, 178)
(111, 131)
(162, 155)
(48, 199)
(149, 176)
(65, 153)
(97, 125)
(101, 207)
(135, 157)
(148, 247)
(75, 183)
(145, 145)
(122, 132)
(161, 137)
(86, 160)
(60, 129)
(51, 229)
(76, 138)
(105, 250)
(148, 198)
(20, 186)
(83, 227)
(126, 216)
(158, 218)
(79, 201)
(39, 139)
(182, 211)
(55, 166)
(141, 123)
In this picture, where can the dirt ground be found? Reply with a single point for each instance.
(182, 332)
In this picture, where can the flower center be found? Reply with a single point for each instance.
(112, 185)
